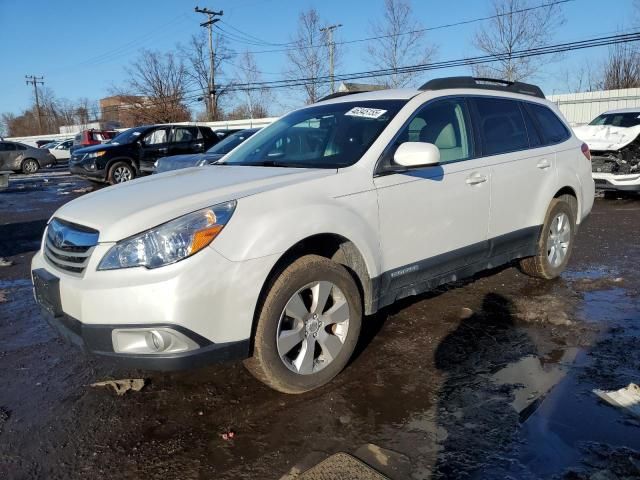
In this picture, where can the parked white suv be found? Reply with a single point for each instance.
(277, 253)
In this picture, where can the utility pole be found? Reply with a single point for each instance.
(33, 80)
(329, 32)
(212, 55)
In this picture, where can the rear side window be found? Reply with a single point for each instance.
(553, 130)
(501, 126)
(532, 130)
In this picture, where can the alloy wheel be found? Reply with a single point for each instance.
(313, 327)
(558, 239)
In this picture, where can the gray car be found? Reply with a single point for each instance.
(23, 158)
(215, 153)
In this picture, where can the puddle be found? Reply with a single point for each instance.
(569, 417)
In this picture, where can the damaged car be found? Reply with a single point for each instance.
(615, 149)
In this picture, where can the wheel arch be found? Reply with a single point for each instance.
(575, 203)
(113, 161)
(334, 247)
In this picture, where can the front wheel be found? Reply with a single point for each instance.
(556, 241)
(308, 326)
(30, 166)
(120, 172)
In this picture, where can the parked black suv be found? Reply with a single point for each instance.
(134, 151)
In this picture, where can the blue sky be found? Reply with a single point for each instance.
(82, 47)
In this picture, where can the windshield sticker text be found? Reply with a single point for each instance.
(366, 112)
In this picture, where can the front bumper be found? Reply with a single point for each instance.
(78, 169)
(96, 339)
(207, 298)
(610, 181)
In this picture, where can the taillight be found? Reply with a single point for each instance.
(585, 151)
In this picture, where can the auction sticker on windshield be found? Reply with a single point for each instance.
(366, 112)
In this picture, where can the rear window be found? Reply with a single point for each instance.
(552, 129)
(501, 126)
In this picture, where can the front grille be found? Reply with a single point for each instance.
(77, 158)
(68, 246)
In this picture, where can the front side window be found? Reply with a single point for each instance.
(501, 126)
(443, 123)
(553, 130)
(335, 135)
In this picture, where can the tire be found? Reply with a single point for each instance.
(120, 172)
(556, 240)
(282, 360)
(29, 166)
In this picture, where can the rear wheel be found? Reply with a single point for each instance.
(556, 241)
(307, 327)
(29, 165)
(121, 172)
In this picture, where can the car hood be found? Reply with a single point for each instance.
(606, 137)
(99, 147)
(123, 210)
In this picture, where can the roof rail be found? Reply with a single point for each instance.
(339, 94)
(483, 83)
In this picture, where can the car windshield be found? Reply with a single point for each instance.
(231, 142)
(625, 120)
(322, 136)
(128, 136)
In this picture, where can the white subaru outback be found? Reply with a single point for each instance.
(276, 254)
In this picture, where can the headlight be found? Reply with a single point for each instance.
(95, 154)
(171, 241)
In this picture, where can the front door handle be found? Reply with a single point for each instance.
(163, 150)
(543, 164)
(476, 178)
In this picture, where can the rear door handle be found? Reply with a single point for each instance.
(476, 178)
(543, 164)
(163, 150)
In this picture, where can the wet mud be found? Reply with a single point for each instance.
(489, 378)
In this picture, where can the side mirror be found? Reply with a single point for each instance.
(417, 154)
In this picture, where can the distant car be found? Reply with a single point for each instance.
(224, 133)
(212, 155)
(40, 143)
(23, 158)
(86, 138)
(61, 150)
(135, 151)
(614, 141)
(49, 145)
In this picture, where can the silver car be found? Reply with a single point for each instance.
(23, 158)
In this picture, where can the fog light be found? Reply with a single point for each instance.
(150, 341)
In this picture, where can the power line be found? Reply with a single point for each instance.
(426, 29)
(191, 95)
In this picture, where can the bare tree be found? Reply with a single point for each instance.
(156, 89)
(400, 42)
(196, 53)
(254, 100)
(622, 68)
(517, 27)
(308, 57)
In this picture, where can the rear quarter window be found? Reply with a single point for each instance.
(551, 127)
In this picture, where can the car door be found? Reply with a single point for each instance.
(184, 140)
(433, 221)
(520, 168)
(154, 145)
(4, 165)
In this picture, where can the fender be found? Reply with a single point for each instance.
(353, 217)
